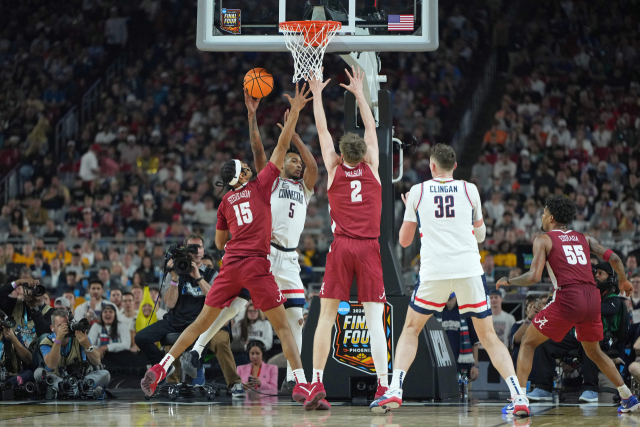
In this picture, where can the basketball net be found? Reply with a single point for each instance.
(307, 41)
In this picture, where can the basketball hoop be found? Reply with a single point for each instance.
(307, 41)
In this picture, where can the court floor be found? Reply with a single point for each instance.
(130, 409)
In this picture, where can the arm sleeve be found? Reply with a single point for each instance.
(94, 332)
(125, 339)
(415, 196)
(7, 304)
(222, 220)
(265, 180)
(41, 324)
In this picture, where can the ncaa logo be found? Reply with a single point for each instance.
(344, 308)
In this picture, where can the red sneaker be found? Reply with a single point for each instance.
(316, 394)
(152, 378)
(380, 392)
(300, 392)
(323, 405)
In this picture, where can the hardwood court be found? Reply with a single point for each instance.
(130, 409)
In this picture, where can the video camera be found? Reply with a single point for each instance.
(81, 325)
(7, 322)
(181, 257)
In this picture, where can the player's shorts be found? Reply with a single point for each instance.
(251, 273)
(349, 258)
(286, 270)
(430, 296)
(576, 305)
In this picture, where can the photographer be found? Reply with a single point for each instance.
(15, 357)
(63, 350)
(184, 299)
(32, 315)
(611, 312)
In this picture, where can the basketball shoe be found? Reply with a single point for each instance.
(380, 392)
(300, 392)
(629, 405)
(521, 406)
(391, 399)
(151, 379)
(316, 394)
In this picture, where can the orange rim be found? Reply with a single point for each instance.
(310, 30)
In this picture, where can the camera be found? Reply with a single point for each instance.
(37, 290)
(7, 322)
(81, 325)
(181, 257)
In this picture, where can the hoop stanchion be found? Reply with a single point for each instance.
(307, 41)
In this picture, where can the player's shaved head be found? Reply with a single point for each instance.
(352, 147)
(444, 156)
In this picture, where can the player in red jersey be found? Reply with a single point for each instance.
(355, 205)
(245, 213)
(576, 299)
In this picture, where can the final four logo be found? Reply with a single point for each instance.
(230, 20)
(351, 342)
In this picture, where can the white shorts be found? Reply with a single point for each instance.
(286, 270)
(430, 296)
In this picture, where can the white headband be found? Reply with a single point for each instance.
(235, 179)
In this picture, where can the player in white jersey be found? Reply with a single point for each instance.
(449, 215)
(289, 199)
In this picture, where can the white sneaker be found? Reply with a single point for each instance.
(521, 406)
(237, 391)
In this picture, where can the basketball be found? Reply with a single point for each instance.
(258, 82)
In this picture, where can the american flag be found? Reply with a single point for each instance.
(400, 22)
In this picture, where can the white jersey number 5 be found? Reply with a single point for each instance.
(574, 254)
(355, 194)
(243, 215)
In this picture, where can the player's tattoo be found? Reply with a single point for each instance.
(256, 143)
(524, 280)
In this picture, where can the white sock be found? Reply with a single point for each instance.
(166, 362)
(397, 379)
(624, 391)
(317, 375)
(298, 376)
(373, 312)
(225, 315)
(514, 386)
(294, 314)
(383, 380)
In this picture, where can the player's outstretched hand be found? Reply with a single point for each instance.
(502, 282)
(316, 84)
(251, 102)
(626, 288)
(300, 100)
(355, 80)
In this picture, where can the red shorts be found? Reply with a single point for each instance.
(349, 258)
(251, 273)
(577, 305)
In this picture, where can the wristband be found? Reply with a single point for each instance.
(174, 283)
(55, 340)
(14, 285)
(198, 279)
(508, 282)
(607, 254)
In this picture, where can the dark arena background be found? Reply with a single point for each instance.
(117, 117)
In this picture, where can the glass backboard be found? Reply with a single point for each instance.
(367, 25)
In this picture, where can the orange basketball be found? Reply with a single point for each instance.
(258, 82)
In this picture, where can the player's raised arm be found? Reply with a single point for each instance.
(370, 136)
(311, 167)
(541, 246)
(612, 258)
(329, 155)
(284, 141)
(259, 157)
(410, 222)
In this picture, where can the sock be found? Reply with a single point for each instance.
(624, 391)
(317, 375)
(294, 314)
(383, 380)
(298, 376)
(397, 379)
(514, 386)
(166, 362)
(225, 315)
(373, 312)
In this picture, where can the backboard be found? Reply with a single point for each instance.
(367, 25)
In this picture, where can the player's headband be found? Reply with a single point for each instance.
(235, 179)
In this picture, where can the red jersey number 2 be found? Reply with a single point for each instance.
(243, 213)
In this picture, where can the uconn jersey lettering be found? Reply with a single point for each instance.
(445, 212)
(289, 200)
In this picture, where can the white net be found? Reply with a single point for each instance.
(307, 41)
